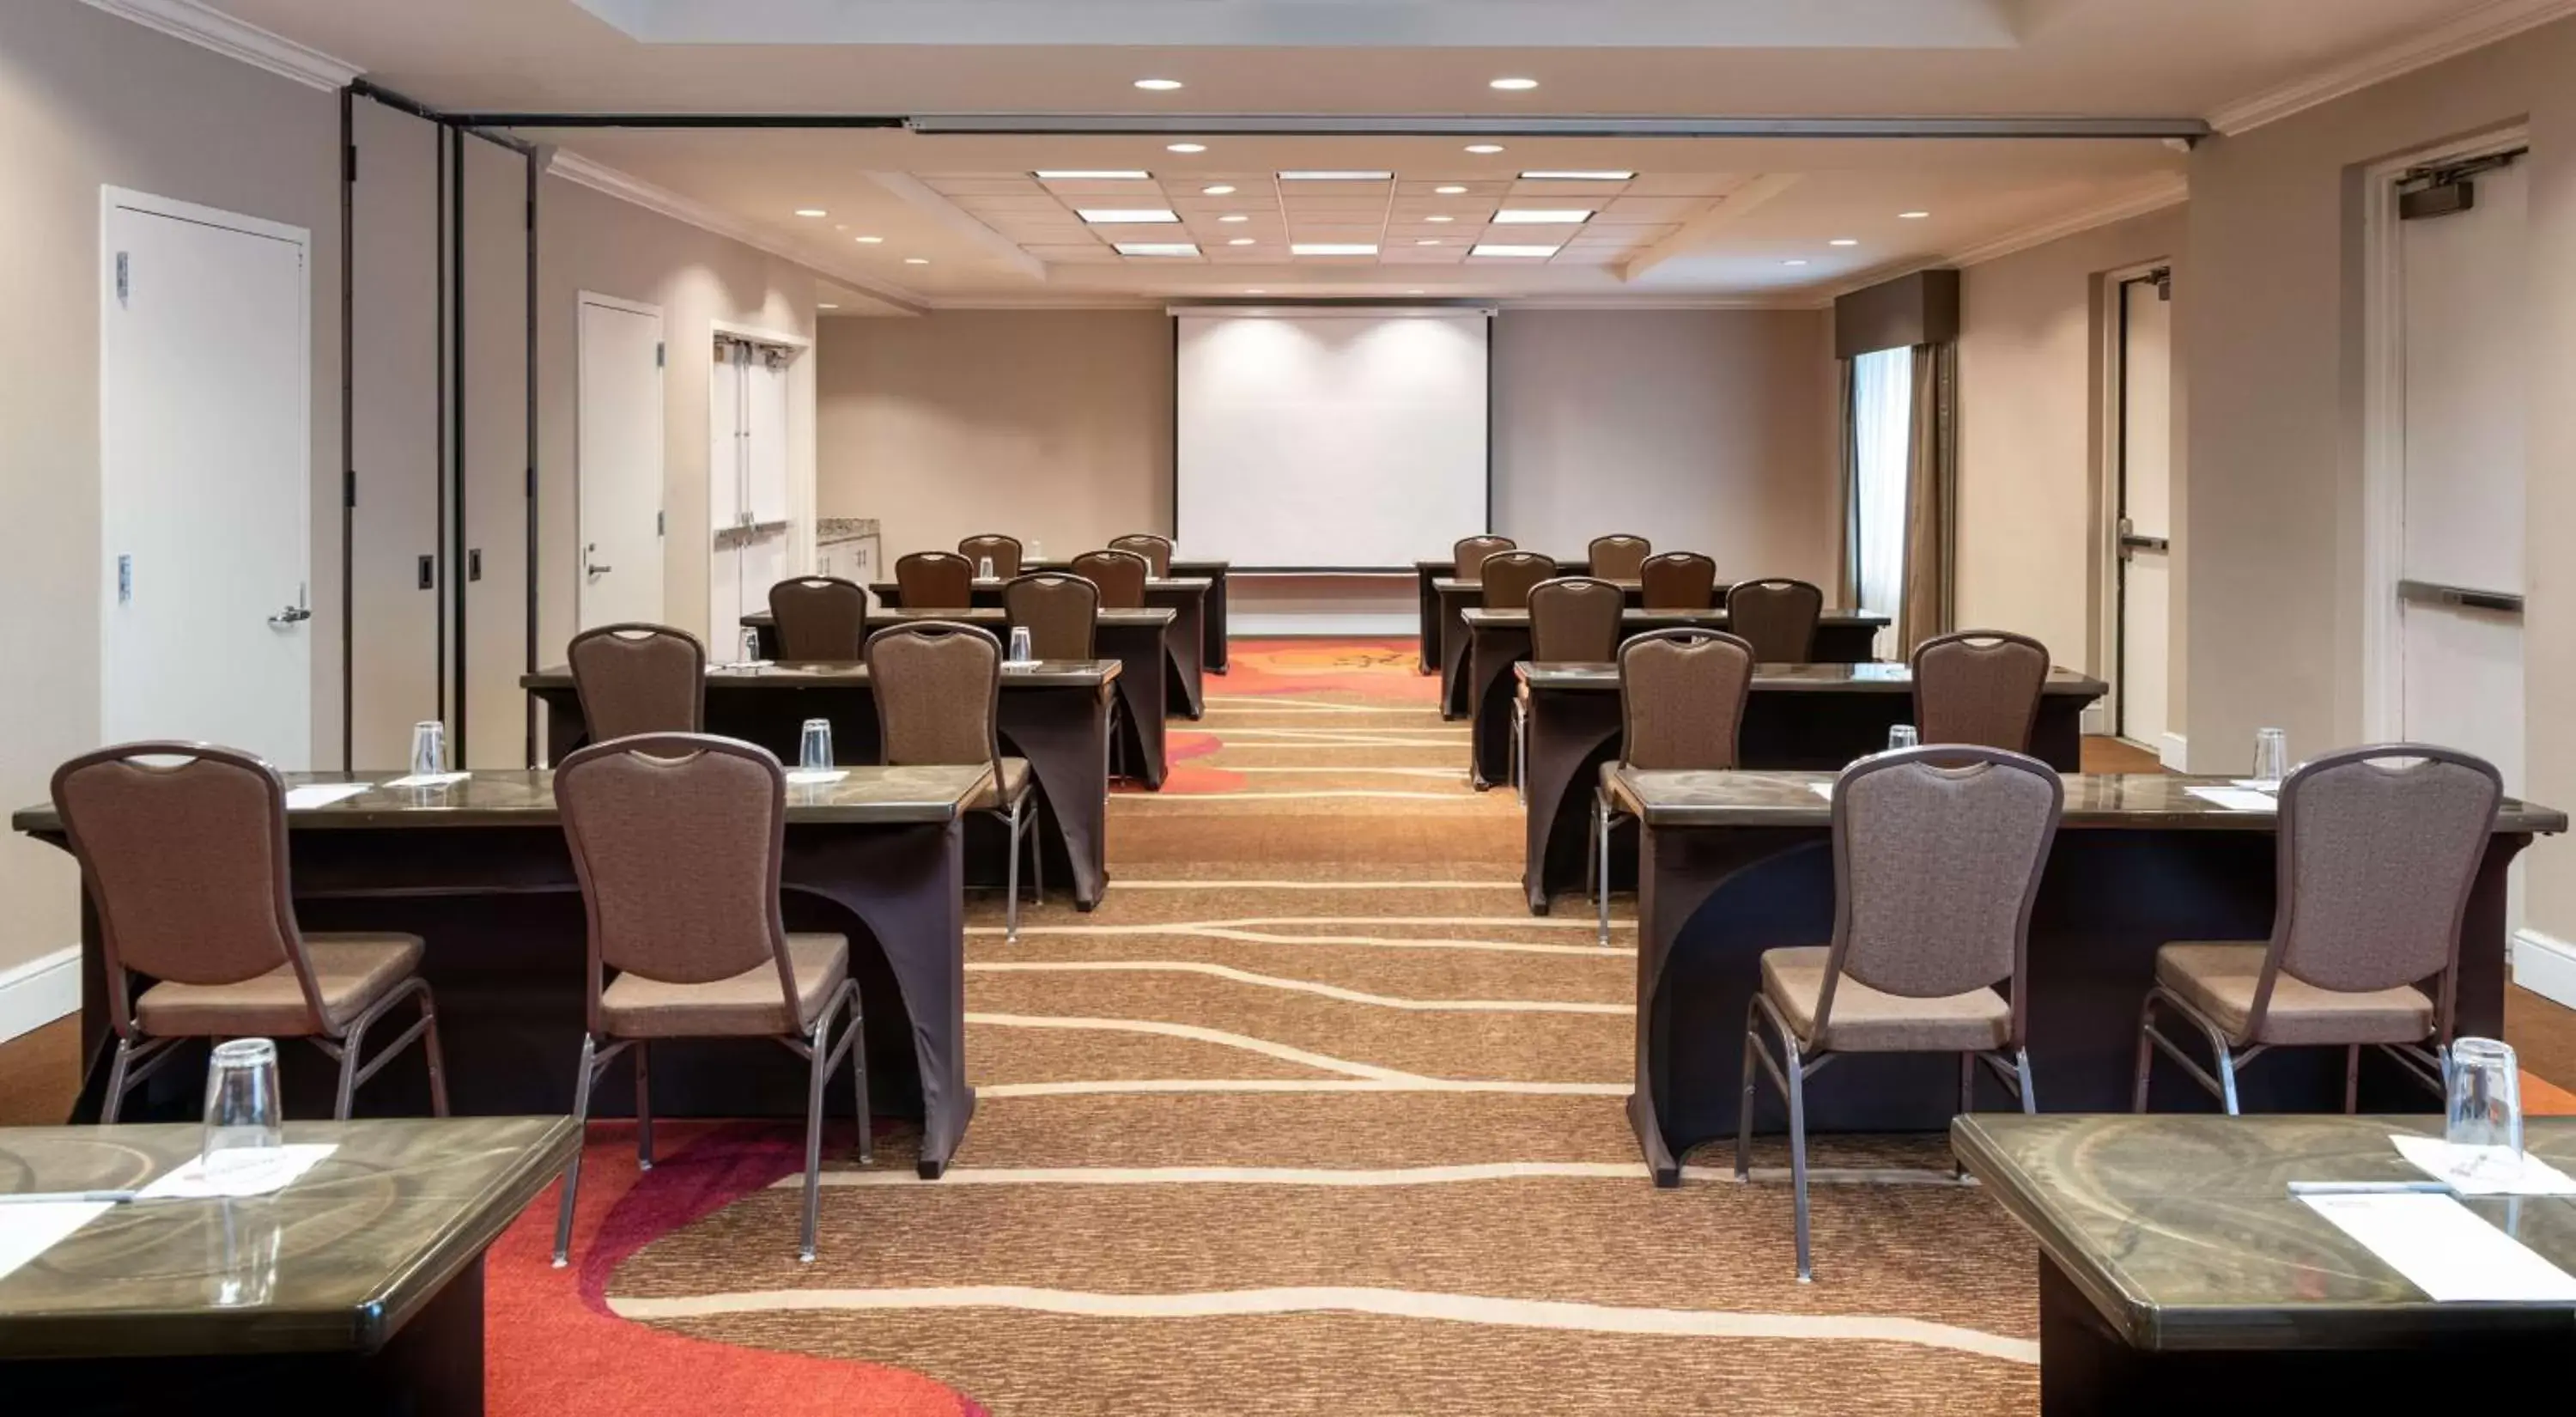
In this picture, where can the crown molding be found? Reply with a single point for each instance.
(2170, 190)
(209, 28)
(2476, 29)
(626, 187)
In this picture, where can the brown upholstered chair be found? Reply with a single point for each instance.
(1002, 551)
(1573, 620)
(1681, 705)
(1980, 687)
(1618, 556)
(1937, 859)
(1121, 576)
(818, 617)
(1157, 551)
(2379, 848)
(1061, 612)
(1777, 617)
(1510, 575)
(639, 679)
(1678, 580)
(1470, 554)
(935, 580)
(938, 689)
(186, 868)
(677, 839)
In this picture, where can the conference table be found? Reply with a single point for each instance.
(1212, 626)
(1427, 576)
(1499, 639)
(1134, 638)
(1734, 863)
(2178, 1274)
(1811, 716)
(1054, 714)
(1185, 649)
(358, 1288)
(480, 871)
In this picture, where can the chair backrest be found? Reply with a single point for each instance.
(938, 689)
(1509, 576)
(1003, 551)
(2379, 849)
(1681, 699)
(1120, 575)
(1937, 859)
(1678, 580)
(935, 580)
(1979, 686)
(1061, 612)
(1618, 556)
(818, 617)
(1777, 617)
(1472, 551)
(1157, 551)
(1574, 620)
(677, 840)
(185, 865)
(639, 679)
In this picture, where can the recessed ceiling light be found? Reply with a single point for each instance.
(1484, 149)
(1427, 241)
(1240, 241)
(1451, 191)
(1088, 174)
(1548, 176)
(1912, 216)
(1158, 85)
(811, 212)
(1219, 190)
(1234, 216)
(825, 305)
(1333, 248)
(871, 240)
(1440, 218)
(1127, 216)
(1336, 175)
(1490, 248)
(1185, 147)
(1513, 85)
(916, 260)
(1542, 216)
(1157, 248)
(1413, 292)
(1844, 241)
(1256, 290)
(1797, 262)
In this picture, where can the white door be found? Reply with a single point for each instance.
(206, 448)
(2466, 370)
(2146, 506)
(619, 441)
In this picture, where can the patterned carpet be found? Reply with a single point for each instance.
(1310, 1117)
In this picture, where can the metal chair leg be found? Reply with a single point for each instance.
(1011, 883)
(1744, 1104)
(2226, 1074)
(1967, 1105)
(643, 1107)
(350, 1049)
(1520, 751)
(2146, 1054)
(431, 1054)
(1601, 861)
(115, 1104)
(2029, 1087)
(1037, 858)
(858, 1045)
(581, 1136)
(818, 1059)
(2351, 1079)
(1796, 1073)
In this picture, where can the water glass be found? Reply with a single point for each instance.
(244, 1123)
(1902, 736)
(750, 646)
(984, 568)
(814, 751)
(2271, 756)
(2484, 1082)
(1021, 650)
(428, 748)
(244, 1241)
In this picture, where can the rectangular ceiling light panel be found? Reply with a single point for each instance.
(1542, 216)
(1127, 216)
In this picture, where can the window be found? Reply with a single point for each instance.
(1882, 443)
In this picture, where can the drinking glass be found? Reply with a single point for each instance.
(814, 752)
(984, 568)
(2485, 1087)
(2271, 756)
(428, 748)
(243, 1243)
(750, 646)
(1902, 736)
(1021, 651)
(243, 1122)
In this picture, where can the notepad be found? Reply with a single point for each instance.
(189, 1181)
(27, 1231)
(815, 777)
(2444, 1249)
(2236, 799)
(323, 794)
(429, 779)
(2483, 1171)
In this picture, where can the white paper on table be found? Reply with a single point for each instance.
(2236, 799)
(2483, 1171)
(815, 777)
(2444, 1249)
(2256, 784)
(28, 1230)
(188, 1182)
(323, 794)
(429, 779)
(1822, 789)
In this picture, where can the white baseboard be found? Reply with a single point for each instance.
(2175, 753)
(1354, 626)
(39, 991)
(2545, 965)
(2096, 722)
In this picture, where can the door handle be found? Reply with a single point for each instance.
(601, 570)
(590, 567)
(291, 615)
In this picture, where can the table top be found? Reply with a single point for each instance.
(1181, 565)
(1173, 584)
(1451, 585)
(336, 1262)
(1478, 618)
(517, 797)
(832, 673)
(2182, 1232)
(2157, 801)
(1803, 678)
(1158, 616)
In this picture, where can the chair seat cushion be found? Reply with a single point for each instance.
(745, 1005)
(1015, 784)
(1867, 1021)
(2218, 979)
(351, 971)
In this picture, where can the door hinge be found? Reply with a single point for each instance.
(124, 276)
(350, 161)
(658, 529)
(532, 484)
(349, 487)
(657, 351)
(429, 573)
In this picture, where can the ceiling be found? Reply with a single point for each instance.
(964, 220)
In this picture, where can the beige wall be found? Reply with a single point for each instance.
(89, 100)
(2031, 424)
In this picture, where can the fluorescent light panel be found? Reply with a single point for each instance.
(1087, 175)
(1126, 216)
(1332, 175)
(1496, 248)
(1577, 176)
(1332, 248)
(1542, 216)
(1156, 248)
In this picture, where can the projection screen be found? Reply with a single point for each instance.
(1344, 439)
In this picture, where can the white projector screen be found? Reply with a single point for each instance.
(1345, 439)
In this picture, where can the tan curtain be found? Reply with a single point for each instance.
(1930, 490)
(1847, 589)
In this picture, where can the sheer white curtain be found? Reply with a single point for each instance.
(1882, 432)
